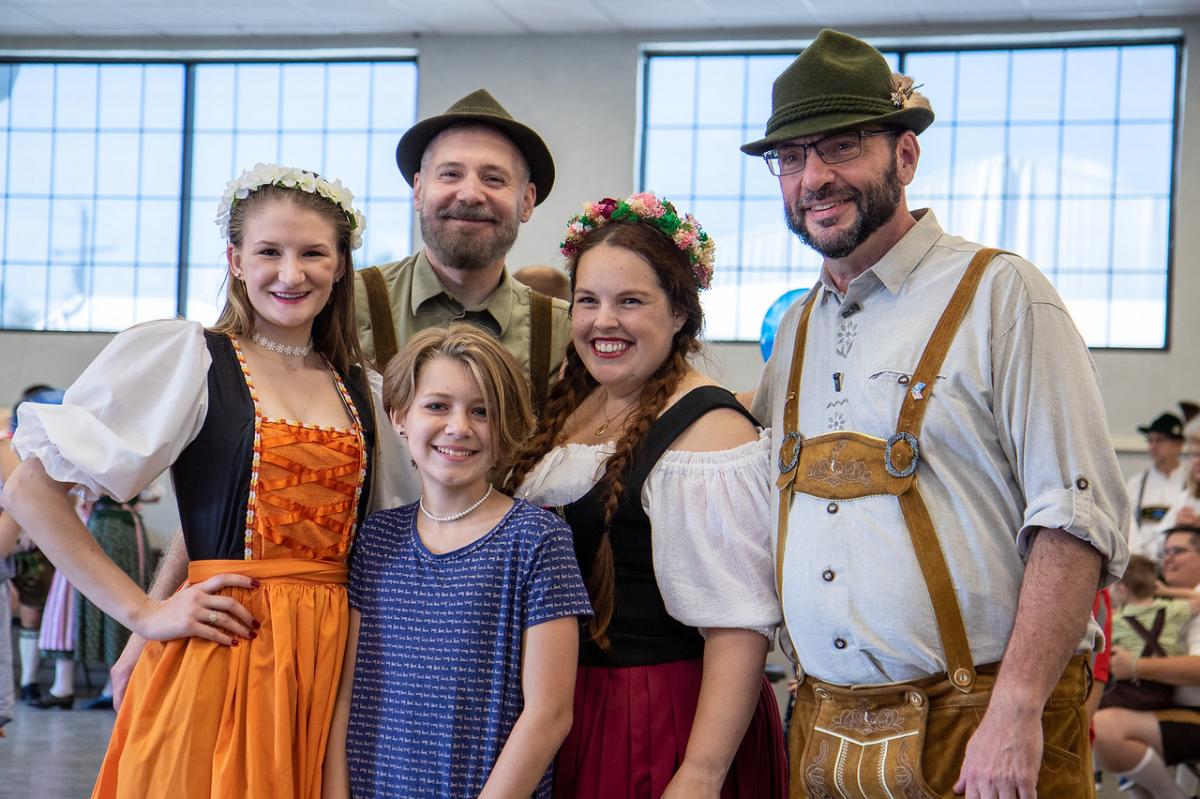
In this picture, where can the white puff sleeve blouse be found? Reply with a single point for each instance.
(711, 528)
(128, 416)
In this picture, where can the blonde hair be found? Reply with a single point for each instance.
(334, 331)
(504, 386)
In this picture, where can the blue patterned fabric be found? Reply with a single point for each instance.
(437, 683)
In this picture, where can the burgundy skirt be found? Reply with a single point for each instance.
(631, 732)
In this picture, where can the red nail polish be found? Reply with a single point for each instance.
(234, 642)
(254, 583)
(253, 635)
(255, 623)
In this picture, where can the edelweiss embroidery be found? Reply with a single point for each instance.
(846, 335)
(835, 472)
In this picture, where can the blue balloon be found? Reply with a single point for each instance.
(766, 341)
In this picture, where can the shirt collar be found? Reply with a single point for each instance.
(426, 287)
(899, 262)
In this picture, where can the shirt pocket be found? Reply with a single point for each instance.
(884, 392)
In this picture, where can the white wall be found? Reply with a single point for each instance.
(581, 93)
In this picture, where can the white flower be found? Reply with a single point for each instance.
(261, 175)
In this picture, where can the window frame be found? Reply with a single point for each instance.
(901, 48)
(189, 60)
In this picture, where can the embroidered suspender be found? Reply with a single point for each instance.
(540, 315)
(847, 465)
(383, 330)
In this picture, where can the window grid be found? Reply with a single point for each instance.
(1118, 302)
(107, 254)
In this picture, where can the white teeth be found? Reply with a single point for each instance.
(290, 295)
(456, 453)
(824, 207)
(610, 346)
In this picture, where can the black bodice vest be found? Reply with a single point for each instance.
(212, 475)
(642, 632)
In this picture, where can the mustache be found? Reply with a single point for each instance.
(469, 213)
(826, 194)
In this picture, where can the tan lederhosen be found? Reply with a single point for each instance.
(905, 739)
(383, 332)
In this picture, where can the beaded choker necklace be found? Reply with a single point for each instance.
(453, 517)
(282, 349)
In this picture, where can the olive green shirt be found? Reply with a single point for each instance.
(418, 300)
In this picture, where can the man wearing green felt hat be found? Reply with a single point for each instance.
(942, 617)
(476, 175)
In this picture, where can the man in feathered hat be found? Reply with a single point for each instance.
(945, 390)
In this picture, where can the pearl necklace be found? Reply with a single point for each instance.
(453, 517)
(282, 349)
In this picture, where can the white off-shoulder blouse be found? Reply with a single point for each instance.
(139, 404)
(711, 528)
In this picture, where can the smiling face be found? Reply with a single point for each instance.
(622, 321)
(1181, 560)
(447, 428)
(472, 193)
(288, 261)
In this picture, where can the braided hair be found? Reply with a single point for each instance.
(673, 271)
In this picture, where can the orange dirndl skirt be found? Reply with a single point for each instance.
(204, 720)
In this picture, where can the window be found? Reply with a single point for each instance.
(111, 174)
(1062, 154)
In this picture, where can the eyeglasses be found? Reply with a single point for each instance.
(836, 148)
(1170, 552)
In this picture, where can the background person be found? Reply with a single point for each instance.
(1152, 492)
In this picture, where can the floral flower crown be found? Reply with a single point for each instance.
(290, 178)
(645, 207)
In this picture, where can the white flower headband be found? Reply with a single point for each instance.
(290, 178)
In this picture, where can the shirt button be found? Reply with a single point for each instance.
(851, 310)
(902, 380)
(827, 575)
(839, 643)
(832, 507)
(1081, 483)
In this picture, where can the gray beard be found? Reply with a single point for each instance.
(876, 205)
(466, 251)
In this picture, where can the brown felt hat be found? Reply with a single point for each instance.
(479, 107)
(839, 82)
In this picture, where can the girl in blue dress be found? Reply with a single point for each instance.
(465, 605)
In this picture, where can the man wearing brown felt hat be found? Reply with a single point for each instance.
(476, 175)
(942, 618)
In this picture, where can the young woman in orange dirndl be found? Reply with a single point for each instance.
(267, 423)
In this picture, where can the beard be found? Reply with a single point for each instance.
(469, 250)
(875, 204)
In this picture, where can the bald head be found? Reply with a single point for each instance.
(545, 280)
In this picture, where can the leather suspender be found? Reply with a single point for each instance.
(383, 330)
(901, 455)
(540, 315)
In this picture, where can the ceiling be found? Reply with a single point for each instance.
(58, 19)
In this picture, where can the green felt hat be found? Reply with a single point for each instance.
(839, 82)
(479, 107)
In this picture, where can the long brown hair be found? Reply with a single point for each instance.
(334, 332)
(673, 271)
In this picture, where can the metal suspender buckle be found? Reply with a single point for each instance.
(911, 440)
(796, 440)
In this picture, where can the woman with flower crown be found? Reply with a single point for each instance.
(663, 478)
(267, 423)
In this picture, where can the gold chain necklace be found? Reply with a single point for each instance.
(603, 428)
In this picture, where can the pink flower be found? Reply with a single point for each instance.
(605, 207)
(686, 236)
(646, 204)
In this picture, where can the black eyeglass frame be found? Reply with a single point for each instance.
(854, 137)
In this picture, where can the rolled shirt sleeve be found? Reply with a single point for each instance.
(1053, 427)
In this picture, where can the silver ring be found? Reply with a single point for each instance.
(909, 439)
(212, 617)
